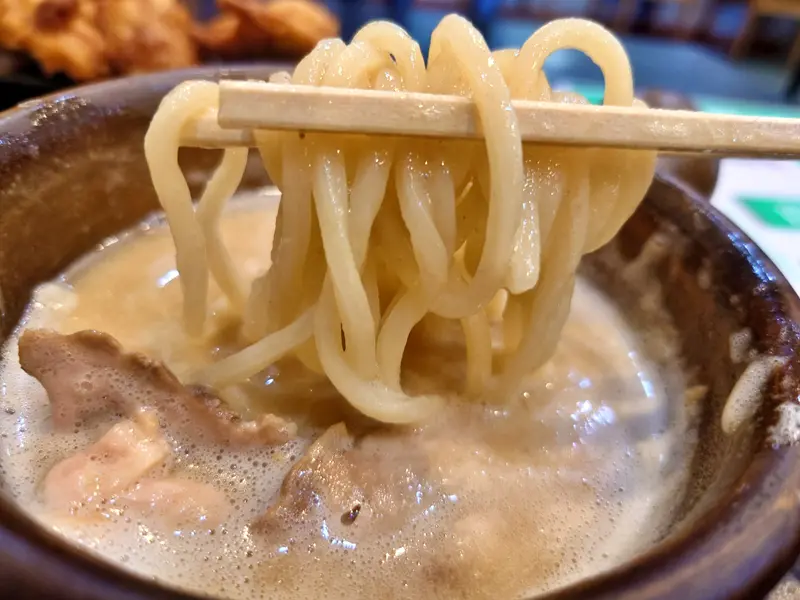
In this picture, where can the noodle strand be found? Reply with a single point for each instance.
(377, 236)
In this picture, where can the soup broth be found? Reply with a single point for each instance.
(578, 472)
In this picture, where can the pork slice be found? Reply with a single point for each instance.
(323, 470)
(122, 456)
(201, 412)
(177, 503)
(432, 494)
(88, 373)
(374, 485)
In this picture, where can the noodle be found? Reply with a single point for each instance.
(375, 234)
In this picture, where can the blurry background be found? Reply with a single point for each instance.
(735, 49)
(713, 50)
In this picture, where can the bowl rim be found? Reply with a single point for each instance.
(758, 555)
(771, 502)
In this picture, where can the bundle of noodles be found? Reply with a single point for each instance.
(375, 234)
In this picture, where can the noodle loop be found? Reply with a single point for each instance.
(376, 235)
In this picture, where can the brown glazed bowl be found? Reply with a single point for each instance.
(72, 172)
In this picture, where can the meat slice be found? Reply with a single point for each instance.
(431, 505)
(88, 373)
(202, 412)
(377, 483)
(177, 503)
(127, 452)
(323, 471)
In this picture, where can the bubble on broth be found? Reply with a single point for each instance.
(747, 395)
(741, 345)
(787, 429)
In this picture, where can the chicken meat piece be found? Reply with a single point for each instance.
(90, 39)
(439, 497)
(125, 454)
(323, 472)
(61, 35)
(88, 374)
(177, 503)
(201, 408)
(147, 35)
(256, 28)
(382, 482)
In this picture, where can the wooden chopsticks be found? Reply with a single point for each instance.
(248, 105)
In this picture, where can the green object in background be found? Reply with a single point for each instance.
(592, 92)
(709, 104)
(594, 96)
(781, 213)
(741, 107)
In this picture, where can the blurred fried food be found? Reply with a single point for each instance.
(89, 39)
(255, 28)
(60, 34)
(147, 35)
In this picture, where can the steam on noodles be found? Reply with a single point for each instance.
(376, 234)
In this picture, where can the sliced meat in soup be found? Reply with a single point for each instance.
(89, 374)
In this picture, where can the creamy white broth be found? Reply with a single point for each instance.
(576, 474)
